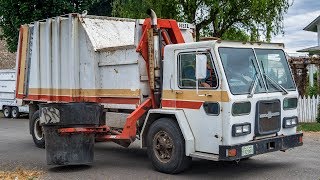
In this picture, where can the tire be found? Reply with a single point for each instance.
(15, 112)
(7, 112)
(37, 130)
(166, 147)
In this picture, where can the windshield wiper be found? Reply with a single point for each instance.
(281, 88)
(253, 86)
(284, 91)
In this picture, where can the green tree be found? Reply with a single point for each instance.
(13, 13)
(253, 16)
(216, 18)
(137, 8)
(312, 90)
(101, 8)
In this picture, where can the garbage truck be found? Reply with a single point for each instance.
(8, 103)
(117, 80)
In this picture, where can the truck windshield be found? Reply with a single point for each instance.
(265, 69)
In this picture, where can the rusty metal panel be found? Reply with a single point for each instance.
(116, 119)
(64, 61)
(43, 55)
(89, 71)
(55, 53)
(64, 54)
(24, 53)
(28, 61)
(113, 33)
(35, 60)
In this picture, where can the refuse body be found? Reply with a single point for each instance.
(69, 149)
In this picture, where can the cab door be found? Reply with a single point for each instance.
(201, 104)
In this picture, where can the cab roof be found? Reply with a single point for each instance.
(226, 43)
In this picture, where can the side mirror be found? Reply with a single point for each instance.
(201, 66)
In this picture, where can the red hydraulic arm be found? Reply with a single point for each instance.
(169, 25)
(170, 33)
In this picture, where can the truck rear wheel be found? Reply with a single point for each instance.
(166, 147)
(15, 112)
(7, 112)
(37, 130)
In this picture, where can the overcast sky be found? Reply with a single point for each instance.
(299, 15)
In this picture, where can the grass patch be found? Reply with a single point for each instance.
(20, 174)
(313, 127)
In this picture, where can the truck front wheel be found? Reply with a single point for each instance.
(166, 147)
(7, 112)
(37, 130)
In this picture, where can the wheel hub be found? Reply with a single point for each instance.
(6, 112)
(14, 113)
(38, 130)
(163, 146)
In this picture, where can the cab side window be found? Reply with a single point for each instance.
(187, 66)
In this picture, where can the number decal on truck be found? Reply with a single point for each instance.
(183, 25)
(49, 115)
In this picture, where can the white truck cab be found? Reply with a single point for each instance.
(244, 104)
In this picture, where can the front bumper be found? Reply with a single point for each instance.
(261, 146)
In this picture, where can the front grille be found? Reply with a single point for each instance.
(268, 117)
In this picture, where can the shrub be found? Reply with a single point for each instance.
(318, 116)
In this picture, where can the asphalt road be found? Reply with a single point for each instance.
(115, 162)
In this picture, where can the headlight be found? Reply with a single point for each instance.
(290, 103)
(241, 129)
(241, 108)
(289, 122)
(238, 129)
(246, 128)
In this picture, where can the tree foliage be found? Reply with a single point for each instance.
(253, 16)
(312, 90)
(13, 13)
(236, 34)
(223, 18)
(137, 8)
(227, 19)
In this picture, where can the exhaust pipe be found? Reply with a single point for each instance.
(153, 16)
(156, 57)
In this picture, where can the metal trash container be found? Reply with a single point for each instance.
(69, 149)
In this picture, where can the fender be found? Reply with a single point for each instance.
(177, 115)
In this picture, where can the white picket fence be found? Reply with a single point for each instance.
(307, 108)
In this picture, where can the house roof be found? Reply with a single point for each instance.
(313, 25)
(310, 49)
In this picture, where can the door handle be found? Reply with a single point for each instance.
(178, 92)
(206, 95)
